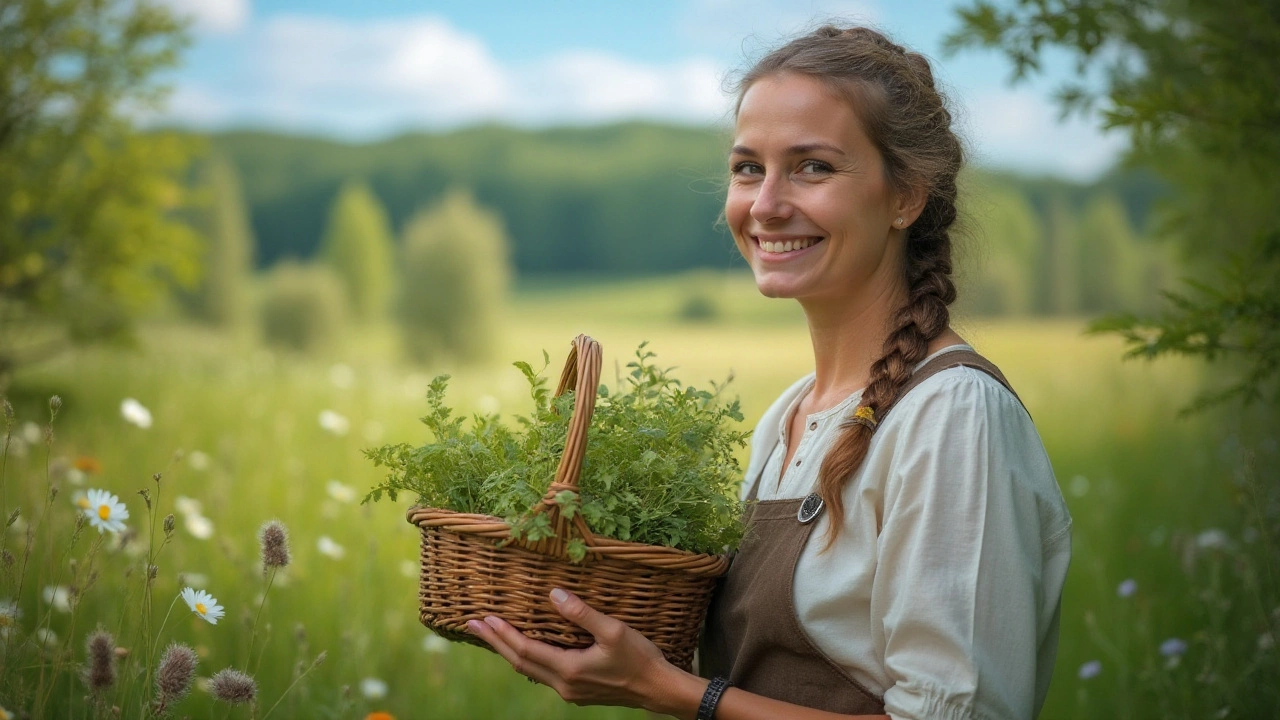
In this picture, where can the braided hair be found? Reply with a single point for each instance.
(905, 117)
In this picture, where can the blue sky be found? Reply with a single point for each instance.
(363, 70)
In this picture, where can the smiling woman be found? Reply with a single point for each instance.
(907, 543)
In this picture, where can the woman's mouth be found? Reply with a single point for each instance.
(778, 249)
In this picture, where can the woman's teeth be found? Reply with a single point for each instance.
(787, 245)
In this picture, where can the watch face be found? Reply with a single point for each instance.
(810, 508)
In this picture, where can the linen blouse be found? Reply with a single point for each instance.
(943, 589)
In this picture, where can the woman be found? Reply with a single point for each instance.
(923, 577)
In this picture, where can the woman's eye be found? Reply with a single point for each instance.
(747, 168)
(814, 166)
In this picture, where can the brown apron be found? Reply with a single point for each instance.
(752, 635)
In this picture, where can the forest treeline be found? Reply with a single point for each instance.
(642, 198)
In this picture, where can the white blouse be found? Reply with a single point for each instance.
(943, 589)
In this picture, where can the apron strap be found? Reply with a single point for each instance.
(944, 361)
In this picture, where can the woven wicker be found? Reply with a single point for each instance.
(471, 568)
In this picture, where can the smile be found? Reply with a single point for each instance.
(786, 247)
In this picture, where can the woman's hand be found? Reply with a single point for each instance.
(622, 668)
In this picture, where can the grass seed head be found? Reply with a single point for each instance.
(8, 412)
(13, 516)
(233, 687)
(100, 671)
(275, 545)
(169, 523)
(55, 404)
(176, 672)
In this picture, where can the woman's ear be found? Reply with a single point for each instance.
(908, 206)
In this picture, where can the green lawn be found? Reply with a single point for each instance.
(1142, 486)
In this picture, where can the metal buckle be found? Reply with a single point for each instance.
(810, 508)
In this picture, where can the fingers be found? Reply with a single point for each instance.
(603, 628)
(528, 657)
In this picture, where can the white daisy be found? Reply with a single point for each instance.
(373, 688)
(327, 546)
(334, 423)
(187, 506)
(340, 492)
(80, 499)
(200, 527)
(59, 596)
(203, 604)
(105, 511)
(10, 614)
(198, 460)
(135, 413)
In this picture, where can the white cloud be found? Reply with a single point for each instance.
(747, 26)
(213, 16)
(592, 86)
(1020, 128)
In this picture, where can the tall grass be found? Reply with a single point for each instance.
(252, 435)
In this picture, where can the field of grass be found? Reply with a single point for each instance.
(237, 428)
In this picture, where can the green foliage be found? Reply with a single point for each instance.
(303, 307)
(659, 468)
(1193, 84)
(223, 296)
(357, 245)
(454, 280)
(1009, 238)
(86, 237)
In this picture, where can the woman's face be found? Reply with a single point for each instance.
(808, 203)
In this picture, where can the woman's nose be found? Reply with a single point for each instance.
(772, 201)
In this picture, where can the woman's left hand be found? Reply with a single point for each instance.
(622, 668)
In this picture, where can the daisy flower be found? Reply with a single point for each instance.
(203, 604)
(334, 423)
(135, 413)
(373, 688)
(105, 511)
(328, 547)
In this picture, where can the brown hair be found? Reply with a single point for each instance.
(905, 117)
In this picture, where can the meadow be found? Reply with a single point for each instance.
(240, 434)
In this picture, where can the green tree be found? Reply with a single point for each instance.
(223, 295)
(1008, 240)
(357, 244)
(87, 232)
(455, 276)
(1110, 278)
(1193, 84)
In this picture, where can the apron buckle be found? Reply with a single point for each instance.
(810, 508)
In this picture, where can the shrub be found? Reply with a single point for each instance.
(302, 307)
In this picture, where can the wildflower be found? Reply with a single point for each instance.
(379, 715)
(10, 614)
(80, 499)
(31, 433)
(105, 511)
(46, 636)
(135, 413)
(187, 506)
(59, 596)
(334, 423)
(340, 492)
(55, 404)
(198, 461)
(1213, 538)
(1172, 647)
(328, 547)
(168, 525)
(100, 672)
(434, 644)
(5, 714)
(1127, 588)
(195, 580)
(1090, 670)
(373, 688)
(203, 604)
(233, 687)
(87, 464)
(200, 527)
(275, 545)
(176, 671)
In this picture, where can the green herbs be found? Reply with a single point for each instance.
(659, 468)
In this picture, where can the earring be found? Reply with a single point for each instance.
(898, 222)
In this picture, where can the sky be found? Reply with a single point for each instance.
(361, 70)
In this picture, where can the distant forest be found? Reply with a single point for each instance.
(641, 198)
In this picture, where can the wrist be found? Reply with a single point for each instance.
(672, 691)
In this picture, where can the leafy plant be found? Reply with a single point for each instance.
(659, 466)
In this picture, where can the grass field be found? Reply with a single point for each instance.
(236, 428)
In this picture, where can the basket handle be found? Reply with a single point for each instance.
(582, 372)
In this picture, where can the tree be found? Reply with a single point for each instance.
(222, 297)
(86, 233)
(455, 275)
(357, 245)
(1110, 278)
(1192, 83)
(1009, 238)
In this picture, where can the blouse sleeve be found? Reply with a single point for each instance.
(973, 552)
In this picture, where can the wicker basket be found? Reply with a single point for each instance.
(471, 568)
